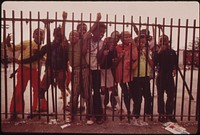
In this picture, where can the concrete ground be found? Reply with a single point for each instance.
(117, 126)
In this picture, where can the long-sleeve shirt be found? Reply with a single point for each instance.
(166, 61)
(124, 75)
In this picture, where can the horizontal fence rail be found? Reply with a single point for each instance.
(184, 39)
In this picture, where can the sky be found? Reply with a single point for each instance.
(168, 9)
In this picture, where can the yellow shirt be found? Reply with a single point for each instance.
(26, 51)
(142, 72)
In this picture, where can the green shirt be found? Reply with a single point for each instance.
(142, 72)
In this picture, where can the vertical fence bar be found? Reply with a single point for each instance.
(146, 63)
(131, 70)
(51, 66)
(176, 81)
(47, 23)
(56, 90)
(5, 64)
(13, 31)
(131, 62)
(104, 113)
(73, 88)
(122, 97)
(154, 69)
(198, 89)
(192, 68)
(30, 40)
(82, 84)
(22, 82)
(39, 67)
(90, 98)
(184, 71)
(115, 84)
(198, 96)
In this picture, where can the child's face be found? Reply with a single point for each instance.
(82, 29)
(126, 38)
(38, 36)
(58, 36)
(116, 36)
(142, 41)
(110, 44)
(163, 40)
(98, 34)
(73, 37)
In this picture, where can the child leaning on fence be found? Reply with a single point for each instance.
(94, 42)
(17, 103)
(56, 64)
(126, 63)
(105, 57)
(165, 59)
(116, 37)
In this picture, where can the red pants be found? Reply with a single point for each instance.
(68, 78)
(17, 102)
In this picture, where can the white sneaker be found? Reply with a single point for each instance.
(142, 123)
(135, 122)
(90, 122)
(138, 122)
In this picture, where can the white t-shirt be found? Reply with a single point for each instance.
(93, 49)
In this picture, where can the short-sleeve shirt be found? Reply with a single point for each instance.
(143, 71)
(26, 51)
(92, 52)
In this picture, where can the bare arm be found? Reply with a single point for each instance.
(87, 35)
(64, 40)
(10, 47)
(135, 28)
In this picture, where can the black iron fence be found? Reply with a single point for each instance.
(187, 94)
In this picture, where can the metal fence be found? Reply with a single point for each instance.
(187, 102)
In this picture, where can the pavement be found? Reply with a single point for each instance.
(110, 126)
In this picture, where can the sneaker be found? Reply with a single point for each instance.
(129, 117)
(13, 117)
(99, 122)
(90, 122)
(171, 119)
(138, 122)
(142, 123)
(68, 119)
(161, 119)
(114, 108)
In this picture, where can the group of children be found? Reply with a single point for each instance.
(98, 66)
